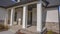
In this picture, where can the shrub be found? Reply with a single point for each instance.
(6, 27)
(2, 27)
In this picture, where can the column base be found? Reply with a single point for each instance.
(10, 24)
(44, 30)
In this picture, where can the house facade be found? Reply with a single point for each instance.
(32, 13)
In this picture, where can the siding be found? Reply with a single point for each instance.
(52, 22)
(52, 15)
(3, 14)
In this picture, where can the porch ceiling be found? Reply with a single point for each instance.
(10, 3)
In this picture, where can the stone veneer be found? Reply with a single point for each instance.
(54, 26)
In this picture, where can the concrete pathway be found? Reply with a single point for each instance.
(7, 32)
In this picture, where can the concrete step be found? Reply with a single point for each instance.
(15, 28)
(27, 31)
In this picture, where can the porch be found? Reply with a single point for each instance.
(29, 17)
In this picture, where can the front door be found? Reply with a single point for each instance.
(30, 18)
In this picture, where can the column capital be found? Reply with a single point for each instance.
(39, 1)
(25, 6)
(12, 8)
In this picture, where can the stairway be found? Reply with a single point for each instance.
(27, 31)
(30, 30)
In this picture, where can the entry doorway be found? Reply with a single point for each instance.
(30, 18)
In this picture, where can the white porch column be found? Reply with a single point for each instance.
(25, 12)
(39, 16)
(12, 16)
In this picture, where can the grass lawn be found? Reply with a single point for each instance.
(51, 32)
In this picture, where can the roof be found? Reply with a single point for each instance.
(5, 3)
(53, 3)
(10, 3)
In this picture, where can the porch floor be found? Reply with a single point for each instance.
(30, 30)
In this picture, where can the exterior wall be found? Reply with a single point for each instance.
(3, 14)
(52, 15)
(44, 14)
(9, 16)
(49, 18)
(52, 22)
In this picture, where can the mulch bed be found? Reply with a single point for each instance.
(3, 28)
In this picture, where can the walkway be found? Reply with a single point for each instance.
(6, 32)
(12, 30)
